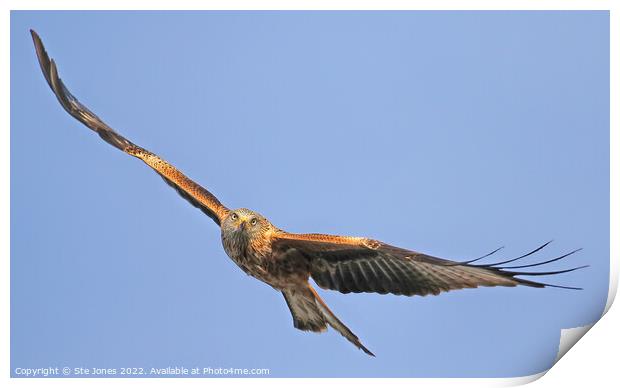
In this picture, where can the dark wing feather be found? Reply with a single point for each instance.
(188, 189)
(349, 264)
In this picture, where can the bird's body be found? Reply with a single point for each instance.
(287, 261)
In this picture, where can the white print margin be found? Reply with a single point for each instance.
(592, 365)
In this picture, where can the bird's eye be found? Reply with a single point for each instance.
(254, 221)
(234, 216)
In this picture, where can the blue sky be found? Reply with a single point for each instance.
(450, 133)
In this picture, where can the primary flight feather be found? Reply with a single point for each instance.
(286, 261)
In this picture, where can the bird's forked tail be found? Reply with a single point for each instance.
(310, 313)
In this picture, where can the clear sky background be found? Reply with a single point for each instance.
(450, 133)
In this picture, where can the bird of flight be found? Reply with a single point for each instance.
(286, 261)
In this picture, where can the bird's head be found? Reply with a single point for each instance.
(245, 223)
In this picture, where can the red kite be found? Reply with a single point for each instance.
(286, 261)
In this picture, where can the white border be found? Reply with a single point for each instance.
(312, 5)
(593, 363)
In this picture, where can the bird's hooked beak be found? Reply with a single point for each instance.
(242, 225)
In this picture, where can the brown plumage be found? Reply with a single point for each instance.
(287, 261)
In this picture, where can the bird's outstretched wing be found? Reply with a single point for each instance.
(352, 264)
(188, 189)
